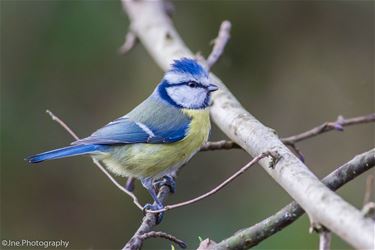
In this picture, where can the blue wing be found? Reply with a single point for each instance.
(153, 121)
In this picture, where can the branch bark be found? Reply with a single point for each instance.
(253, 235)
(148, 222)
(325, 237)
(156, 32)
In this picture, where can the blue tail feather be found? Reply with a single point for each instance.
(65, 152)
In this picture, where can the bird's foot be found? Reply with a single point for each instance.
(154, 207)
(166, 181)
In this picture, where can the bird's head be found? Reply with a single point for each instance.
(186, 85)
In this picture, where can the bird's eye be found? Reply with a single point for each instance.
(193, 84)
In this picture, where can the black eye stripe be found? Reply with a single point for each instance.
(198, 85)
(194, 84)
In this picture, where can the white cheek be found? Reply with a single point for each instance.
(187, 97)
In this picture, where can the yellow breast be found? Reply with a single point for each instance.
(156, 160)
(200, 124)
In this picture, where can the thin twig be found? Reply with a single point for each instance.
(255, 234)
(337, 125)
(96, 162)
(219, 44)
(154, 234)
(368, 209)
(296, 150)
(217, 188)
(130, 41)
(169, 7)
(291, 140)
(62, 124)
(131, 194)
(369, 189)
(325, 239)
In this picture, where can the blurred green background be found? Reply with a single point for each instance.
(292, 64)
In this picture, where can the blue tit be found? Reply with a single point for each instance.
(158, 136)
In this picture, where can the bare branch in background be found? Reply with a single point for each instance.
(368, 209)
(96, 162)
(337, 125)
(163, 235)
(219, 44)
(368, 189)
(130, 41)
(296, 150)
(62, 124)
(291, 140)
(253, 235)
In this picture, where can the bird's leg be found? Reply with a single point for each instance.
(167, 180)
(148, 184)
(130, 184)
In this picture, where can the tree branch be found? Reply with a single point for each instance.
(253, 235)
(338, 125)
(148, 222)
(219, 44)
(369, 189)
(155, 30)
(129, 43)
(163, 235)
(325, 239)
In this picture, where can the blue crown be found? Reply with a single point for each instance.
(190, 66)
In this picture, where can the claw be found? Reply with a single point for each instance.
(153, 207)
(166, 181)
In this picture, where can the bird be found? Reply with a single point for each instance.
(158, 136)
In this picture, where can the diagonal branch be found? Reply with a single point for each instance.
(253, 235)
(156, 32)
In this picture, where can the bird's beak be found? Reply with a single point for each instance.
(212, 87)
